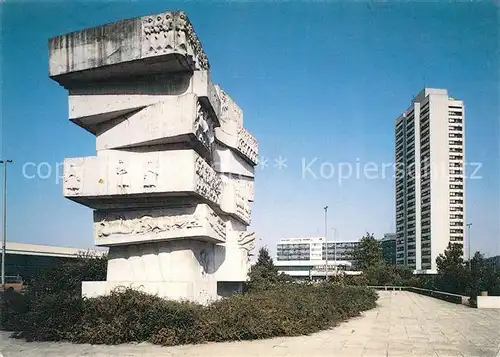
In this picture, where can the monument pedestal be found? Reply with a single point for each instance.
(179, 269)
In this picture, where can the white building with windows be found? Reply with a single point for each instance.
(306, 257)
(430, 180)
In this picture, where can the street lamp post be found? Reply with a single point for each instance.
(326, 242)
(335, 249)
(468, 241)
(4, 220)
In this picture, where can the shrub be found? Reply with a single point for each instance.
(286, 310)
(13, 308)
(53, 317)
(66, 277)
(131, 316)
(58, 284)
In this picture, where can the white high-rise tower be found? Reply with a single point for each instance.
(430, 180)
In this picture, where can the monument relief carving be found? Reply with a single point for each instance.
(204, 260)
(73, 181)
(247, 240)
(217, 224)
(246, 187)
(204, 127)
(247, 144)
(229, 109)
(122, 178)
(208, 182)
(243, 209)
(111, 224)
(200, 56)
(158, 32)
(173, 32)
(151, 176)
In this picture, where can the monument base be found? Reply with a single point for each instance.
(179, 290)
(233, 263)
(181, 269)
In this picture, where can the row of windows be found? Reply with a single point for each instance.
(295, 245)
(424, 112)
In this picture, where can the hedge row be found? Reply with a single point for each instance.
(132, 316)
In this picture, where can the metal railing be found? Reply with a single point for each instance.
(450, 297)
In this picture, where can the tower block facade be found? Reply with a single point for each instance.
(172, 182)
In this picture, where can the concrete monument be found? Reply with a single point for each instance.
(172, 182)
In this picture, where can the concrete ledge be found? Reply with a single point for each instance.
(488, 302)
(155, 43)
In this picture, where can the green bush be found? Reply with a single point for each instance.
(58, 284)
(52, 318)
(66, 277)
(131, 316)
(13, 308)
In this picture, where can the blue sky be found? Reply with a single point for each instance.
(321, 80)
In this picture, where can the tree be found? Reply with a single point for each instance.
(265, 260)
(264, 273)
(452, 277)
(368, 253)
(451, 259)
(482, 277)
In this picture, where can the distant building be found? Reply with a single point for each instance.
(388, 244)
(306, 257)
(429, 180)
(26, 260)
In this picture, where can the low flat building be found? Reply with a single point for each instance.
(25, 260)
(306, 257)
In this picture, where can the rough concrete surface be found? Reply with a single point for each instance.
(404, 324)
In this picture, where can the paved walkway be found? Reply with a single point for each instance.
(404, 324)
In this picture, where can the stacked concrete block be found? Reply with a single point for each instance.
(171, 184)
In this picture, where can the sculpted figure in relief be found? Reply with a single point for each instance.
(151, 176)
(72, 180)
(204, 260)
(204, 127)
(146, 224)
(122, 180)
(118, 226)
